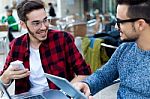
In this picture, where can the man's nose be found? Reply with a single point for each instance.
(43, 26)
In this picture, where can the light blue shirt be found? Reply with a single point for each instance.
(132, 66)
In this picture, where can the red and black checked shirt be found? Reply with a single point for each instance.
(59, 56)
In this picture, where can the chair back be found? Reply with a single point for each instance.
(53, 21)
(78, 29)
(3, 27)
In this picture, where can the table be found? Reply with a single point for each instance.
(3, 34)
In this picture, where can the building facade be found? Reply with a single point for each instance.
(64, 8)
(104, 6)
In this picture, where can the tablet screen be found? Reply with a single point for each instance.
(66, 86)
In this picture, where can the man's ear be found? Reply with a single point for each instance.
(141, 24)
(23, 24)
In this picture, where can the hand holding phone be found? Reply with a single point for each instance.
(17, 63)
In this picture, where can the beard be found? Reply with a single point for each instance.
(133, 38)
(128, 40)
(33, 34)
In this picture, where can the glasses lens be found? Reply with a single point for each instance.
(38, 24)
(118, 24)
(45, 22)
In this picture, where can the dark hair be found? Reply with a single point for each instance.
(9, 10)
(137, 8)
(50, 4)
(6, 7)
(27, 6)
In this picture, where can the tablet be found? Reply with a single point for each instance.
(66, 86)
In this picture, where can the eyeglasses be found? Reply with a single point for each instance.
(118, 21)
(38, 24)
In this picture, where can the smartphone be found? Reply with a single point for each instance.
(17, 63)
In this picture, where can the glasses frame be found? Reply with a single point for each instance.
(118, 21)
(35, 23)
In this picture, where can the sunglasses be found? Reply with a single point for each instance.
(118, 21)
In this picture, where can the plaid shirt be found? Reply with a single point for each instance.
(59, 56)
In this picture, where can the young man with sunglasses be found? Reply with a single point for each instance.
(42, 51)
(131, 61)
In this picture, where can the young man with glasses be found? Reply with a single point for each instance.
(131, 61)
(41, 50)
